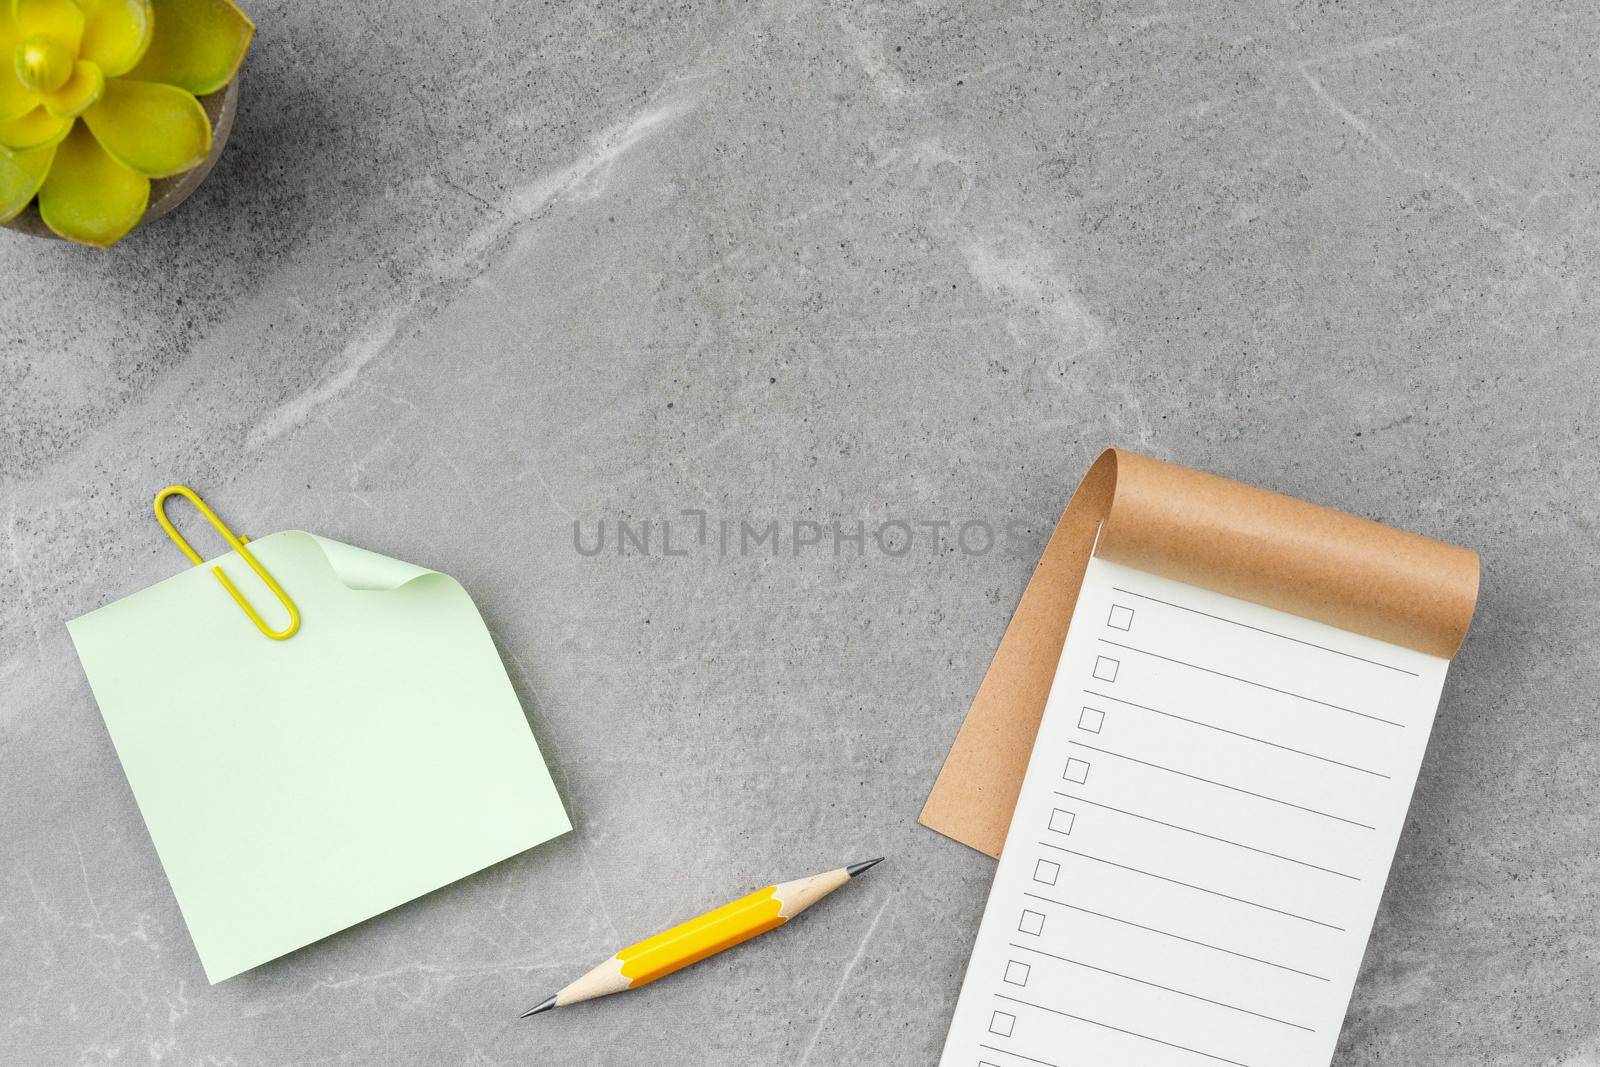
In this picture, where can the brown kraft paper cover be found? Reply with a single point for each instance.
(1206, 531)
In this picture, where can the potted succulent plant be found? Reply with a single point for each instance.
(103, 100)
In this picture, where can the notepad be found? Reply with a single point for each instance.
(294, 788)
(1229, 740)
(1202, 838)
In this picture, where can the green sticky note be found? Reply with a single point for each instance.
(295, 788)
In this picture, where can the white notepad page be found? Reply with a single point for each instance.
(1201, 840)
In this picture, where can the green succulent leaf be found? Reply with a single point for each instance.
(197, 44)
(116, 33)
(16, 99)
(80, 91)
(59, 20)
(154, 129)
(88, 196)
(14, 103)
(36, 129)
(20, 176)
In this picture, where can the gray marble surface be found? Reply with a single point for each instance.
(468, 274)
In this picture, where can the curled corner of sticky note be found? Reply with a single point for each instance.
(359, 568)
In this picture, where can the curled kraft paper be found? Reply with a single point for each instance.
(1206, 531)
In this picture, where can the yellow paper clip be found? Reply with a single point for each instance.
(237, 544)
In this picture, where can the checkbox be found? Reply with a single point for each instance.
(986, 1063)
(1002, 1023)
(1017, 973)
(1121, 618)
(1091, 719)
(1077, 771)
(1032, 923)
(1061, 821)
(1045, 872)
(1105, 668)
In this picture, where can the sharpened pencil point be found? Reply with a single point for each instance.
(861, 868)
(546, 1006)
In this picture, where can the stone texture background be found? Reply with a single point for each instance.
(471, 272)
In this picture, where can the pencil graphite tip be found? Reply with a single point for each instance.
(546, 1006)
(861, 868)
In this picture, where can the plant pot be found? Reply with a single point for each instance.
(165, 193)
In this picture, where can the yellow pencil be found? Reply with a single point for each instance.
(705, 935)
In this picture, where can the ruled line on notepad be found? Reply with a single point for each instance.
(1198, 888)
(1263, 630)
(1236, 733)
(1166, 988)
(1108, 1026)
(1176, 937)
(1209, 837)
(1018, 1055)
(1249, 681)
(1220, 785)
